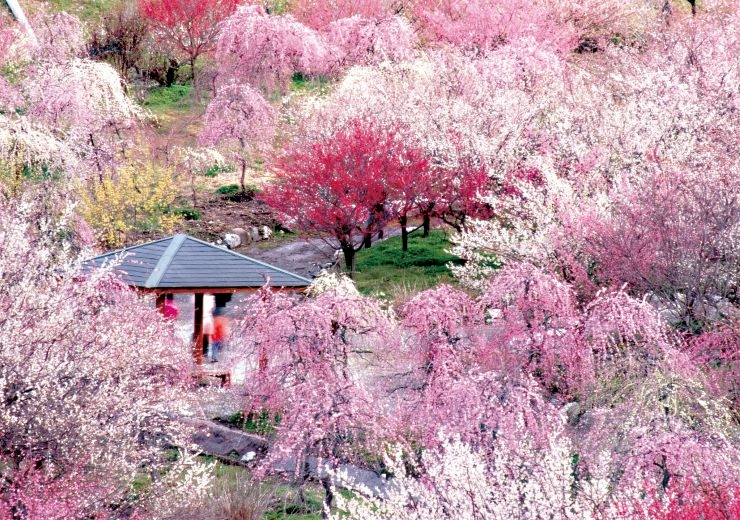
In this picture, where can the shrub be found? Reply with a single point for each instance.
(228, 189)
(136, 197)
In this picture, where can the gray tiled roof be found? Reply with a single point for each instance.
(182, 261)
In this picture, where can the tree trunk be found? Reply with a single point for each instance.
(328, 496)
(452, 222)
(404, 233)
(243, 161)
(192, 186)
(349, 258)
(171, 72)
(427, 225)
(367, 239)
(243, 176)
(97, 159)
(192, 69)
(305, 475)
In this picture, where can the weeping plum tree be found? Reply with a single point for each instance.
(84, 104)
(493, 382)
(265, 51)
(241, 119)
(307, 352)
(365, 41)
(83, 413)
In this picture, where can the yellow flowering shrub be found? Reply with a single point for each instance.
(136, 197)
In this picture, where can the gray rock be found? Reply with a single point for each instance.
(232, 240)
(728, 310)
(254, 234)
(215, 439)
(572, 412)
(704, 310)
(265, 232)
(670, 316)
(585, 422)
(249, 456)
(243, 235)
(671, 311)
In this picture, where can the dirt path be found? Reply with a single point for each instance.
(301, 255)
(298, 256)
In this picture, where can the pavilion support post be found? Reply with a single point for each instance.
(161, 298)
(198, 329)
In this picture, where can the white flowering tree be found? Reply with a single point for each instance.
(91, 382)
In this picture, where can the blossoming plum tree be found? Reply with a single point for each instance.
(361, 41)
(329, 187)
(318, 15)
(671, 234)
(87, 377)
(265, 51)
(241, 119)
(307, 353)
(191, 27)
(83, 103)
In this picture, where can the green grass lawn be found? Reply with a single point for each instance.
(235, 491)
(86, 10)
(314, 86)
(385, 269)
(169, 99)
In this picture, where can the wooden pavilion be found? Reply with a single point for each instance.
(184, 264)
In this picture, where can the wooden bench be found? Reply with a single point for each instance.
(223, 374)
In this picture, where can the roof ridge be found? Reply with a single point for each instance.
(127, 249)
(164, 261)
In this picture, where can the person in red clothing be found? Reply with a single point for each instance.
(170, 311)
(220, 332)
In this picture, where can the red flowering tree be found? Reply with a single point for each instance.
(409, 184)
(690, 500)
(190, 27)
(328, 187)
(463, 185)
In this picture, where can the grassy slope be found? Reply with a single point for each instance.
(236, 492)
(86, 10)
(384, 268)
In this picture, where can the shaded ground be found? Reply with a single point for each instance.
(299, 255)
